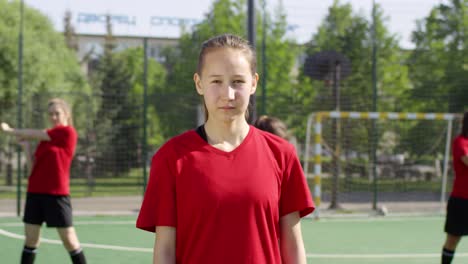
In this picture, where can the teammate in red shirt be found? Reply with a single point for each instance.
(226, 192)
(48, 197)
(456, 223)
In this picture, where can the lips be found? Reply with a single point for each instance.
(227, 107)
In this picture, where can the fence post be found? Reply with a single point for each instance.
(145, 108)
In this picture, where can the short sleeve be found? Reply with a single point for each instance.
(464, 147)
(159, 202)
(59, 136)
(460, 147)
(64, 137)
(295, 193)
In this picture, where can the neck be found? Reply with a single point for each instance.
(231, 132)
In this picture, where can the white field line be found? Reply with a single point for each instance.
(379, 219)
(309, 255)
(19, 223)
(85, 245)
(350, 219)
(382, 256)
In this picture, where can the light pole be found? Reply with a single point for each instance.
(252, 39)
(264, 68)
(19, 105)
(374, 105)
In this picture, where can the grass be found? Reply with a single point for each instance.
(383, 240)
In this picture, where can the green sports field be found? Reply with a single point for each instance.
(381, 240)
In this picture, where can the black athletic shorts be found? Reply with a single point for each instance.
(55, 210)
(456, 222)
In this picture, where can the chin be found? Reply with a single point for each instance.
(231, 119)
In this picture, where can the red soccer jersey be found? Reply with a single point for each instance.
(52, 161)
(225, 206)
(460, 184)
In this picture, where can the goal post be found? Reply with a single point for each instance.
(401, 173)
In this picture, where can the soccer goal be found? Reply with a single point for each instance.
(363, 160)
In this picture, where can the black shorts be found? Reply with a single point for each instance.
(456, 222)
(55, 210)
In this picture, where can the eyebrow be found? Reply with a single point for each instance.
(220, 75)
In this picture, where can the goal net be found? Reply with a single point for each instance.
(373, 160)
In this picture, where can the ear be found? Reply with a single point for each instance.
(254, 83)
(198, 86)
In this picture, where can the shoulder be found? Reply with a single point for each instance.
(66, 131)
(183, 140)
(274, 142)
(460, 140)
(178, 145)
(278, 149)
(461, 143)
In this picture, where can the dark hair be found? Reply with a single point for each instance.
(272, 125)
(227, 41)
(464, 130)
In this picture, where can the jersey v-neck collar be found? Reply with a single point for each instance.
(217, 151)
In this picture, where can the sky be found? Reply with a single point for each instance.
(158, 18)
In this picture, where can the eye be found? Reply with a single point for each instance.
(239, 81)
(215, 81)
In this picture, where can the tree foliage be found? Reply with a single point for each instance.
(351, 34)
(48, 65)
(118, 126)
(438, 70)
(439, 63)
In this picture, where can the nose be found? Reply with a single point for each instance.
(229, 92)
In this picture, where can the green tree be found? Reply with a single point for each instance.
(48, 65)
(439, 62)
(438, 71)
(282, 98)
(69, 32)
(351, 34)
(133, 60)
(115, 140)
(118, 79)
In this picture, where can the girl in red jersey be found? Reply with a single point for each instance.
(48, 192)
(456, 223)
(226, 192)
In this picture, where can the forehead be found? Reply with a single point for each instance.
(226, 60)
(55, 108)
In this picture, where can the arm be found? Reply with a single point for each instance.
(165, 245)
(291, 243)
(464, 159)
(25, 133)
